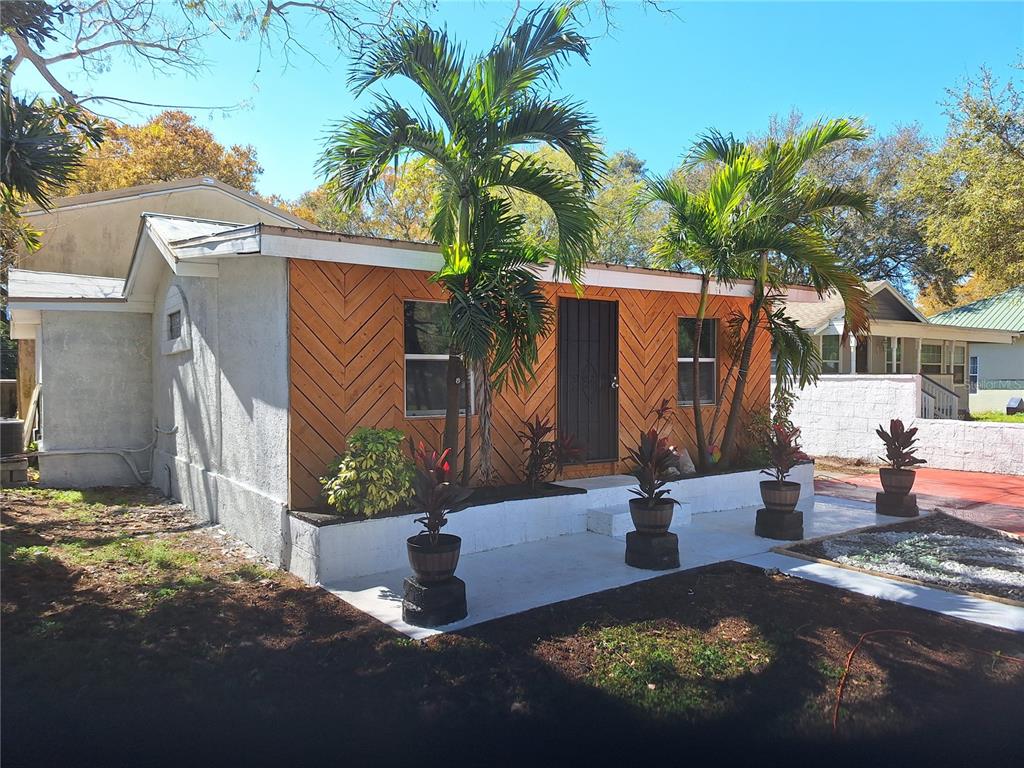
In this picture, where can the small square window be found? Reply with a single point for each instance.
(174, 325)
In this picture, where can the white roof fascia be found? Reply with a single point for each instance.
(252, 241)
(245, 241)
(940, 332)
(350, 253)
(646, 281)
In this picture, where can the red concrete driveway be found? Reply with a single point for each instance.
(995, 501)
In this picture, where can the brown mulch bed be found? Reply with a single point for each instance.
(926, 553)
(131, 637)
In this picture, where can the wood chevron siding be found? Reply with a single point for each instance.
(347, 368)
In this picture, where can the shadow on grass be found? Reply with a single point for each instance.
(230, 674)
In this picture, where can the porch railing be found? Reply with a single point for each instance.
(937, 402)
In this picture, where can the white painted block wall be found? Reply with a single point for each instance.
(839, 416)
(334, 553)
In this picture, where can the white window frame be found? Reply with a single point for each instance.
(973, 369)
(417, 356)
(893, 346)
(838, 360)
(698, 360)
(954, 365)
(921, 362)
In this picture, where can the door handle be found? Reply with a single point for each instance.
(615, 382)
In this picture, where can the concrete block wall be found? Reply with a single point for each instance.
(975, 446)
(839, 415)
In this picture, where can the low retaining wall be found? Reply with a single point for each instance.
(975, 446)
(839, 415)
(333, 552)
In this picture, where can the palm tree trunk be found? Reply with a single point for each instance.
(467, 435)
(456, 372)
(453, 385)
(736, 406)
(484, 401)
(698, 416)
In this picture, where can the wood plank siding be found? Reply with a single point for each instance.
(347, 367)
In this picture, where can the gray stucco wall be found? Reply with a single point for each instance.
(97, 383)
(226, 399)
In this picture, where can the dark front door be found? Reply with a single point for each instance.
(588, 368)
(861, 357)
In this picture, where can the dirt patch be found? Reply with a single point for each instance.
(133, 637)
(938, 550)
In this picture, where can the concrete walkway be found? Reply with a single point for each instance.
(966, 607)
(510, 580)
(995, 501)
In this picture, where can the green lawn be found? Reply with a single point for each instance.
(1017, 418)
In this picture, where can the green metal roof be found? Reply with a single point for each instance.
(1004, 312)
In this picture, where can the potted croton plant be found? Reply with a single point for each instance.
(784, 453)
(433, 555)
(653, 460)
(898, 477)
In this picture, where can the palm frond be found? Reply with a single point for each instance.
(817, 137)
(358, 151)
(531, 53)
(563, 194)
(559, 123)
(714, 147)
(430, 59)
(797, 359)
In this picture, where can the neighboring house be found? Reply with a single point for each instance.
(995, 372)
(229, 362)
(901, 341)
(93, 234)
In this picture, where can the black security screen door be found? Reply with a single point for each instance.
(588, 384)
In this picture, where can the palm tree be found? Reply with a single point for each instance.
(498, 310)
(482, 113)
(42, 146)
(783, 242)
(709, 231)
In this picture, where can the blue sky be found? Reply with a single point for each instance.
(653, 84)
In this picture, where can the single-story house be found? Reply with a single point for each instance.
(995, 372)
(230, 361)
(901, 341)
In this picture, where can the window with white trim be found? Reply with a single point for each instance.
(972, 375)
(893, 354)
(426, 359)
(959, 364)
(830, 353)
(931, 359)
(706, 360)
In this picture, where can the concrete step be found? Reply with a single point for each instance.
(615, 520)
